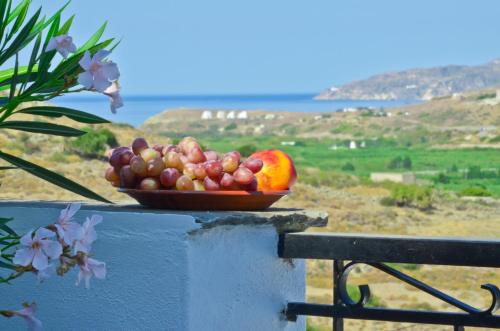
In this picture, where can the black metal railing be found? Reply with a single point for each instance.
(347, 251)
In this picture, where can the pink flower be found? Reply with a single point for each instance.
(28, 314)
(38, 249)
(113, 92)
(63, 44)
(84, 244)
(46, 273)
(89, 267)
(98, 74)
(69, 231)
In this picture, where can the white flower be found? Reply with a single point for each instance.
(84, 244)
(89, 267)
(113, 92)
(69, 231)
(28, 314)
(98, 74)
(38, 249)
(63, 44)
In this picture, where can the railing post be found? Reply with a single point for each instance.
(458, 328)
(338, 267)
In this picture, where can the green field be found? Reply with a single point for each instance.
(313, 154)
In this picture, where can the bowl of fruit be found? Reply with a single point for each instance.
(184, 177)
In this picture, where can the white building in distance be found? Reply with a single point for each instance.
(206, 115)
(221, 114)
(270, 117)
(243, 115)
(231, 115)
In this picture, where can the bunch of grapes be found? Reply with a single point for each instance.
(183, 167)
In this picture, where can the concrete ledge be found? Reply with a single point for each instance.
(170, 270)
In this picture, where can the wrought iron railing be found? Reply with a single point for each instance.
(347, 251)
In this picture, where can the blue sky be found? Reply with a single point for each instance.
(282, 46)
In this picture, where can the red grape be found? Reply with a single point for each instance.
(173, 160)
(227, 181)
(170, 148)
(243, 176)
(116, 157)
(210, 184)
(213, 168)
(139, 166)
(250, 187)
(211, 156)
(198, 185)
(199, 171)
(127, 177)
(126, 156)
(195, 155)
(235, 154)
(149, 184)
(155, 167)
(189, 170)
(187, 143)
(230, 163)
(138, 145)
(169, 177)
(149, 154)
(255, 165)
(158, 148)
(184, 160)
(111, 175)
(184, 183)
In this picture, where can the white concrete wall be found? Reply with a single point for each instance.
(165, 272)
(238, 283)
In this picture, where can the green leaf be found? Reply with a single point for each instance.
(8, 73)
(5, 220)
(13, 82)
(22, 37)
(42, 127)
(32, 63)
(7, 229)
(3, 7)
(51, 177)
(54, 27)
(4, 10)
(66, 26)
(20, 19)
(73, 114)
(43, 24)
(93, 40)
(17, 11)
(7, 168)
(4, 227)
(7, 266)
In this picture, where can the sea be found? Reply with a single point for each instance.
(137, 109)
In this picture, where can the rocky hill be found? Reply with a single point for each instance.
(419, 84)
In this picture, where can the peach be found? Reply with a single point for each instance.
(278, 172)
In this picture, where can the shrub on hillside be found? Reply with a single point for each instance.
(415, 196)
(247, 150)
(93, 144)
(400, 163)
(475, 191)
(348, 167)
(231, 126)
(442, 179)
